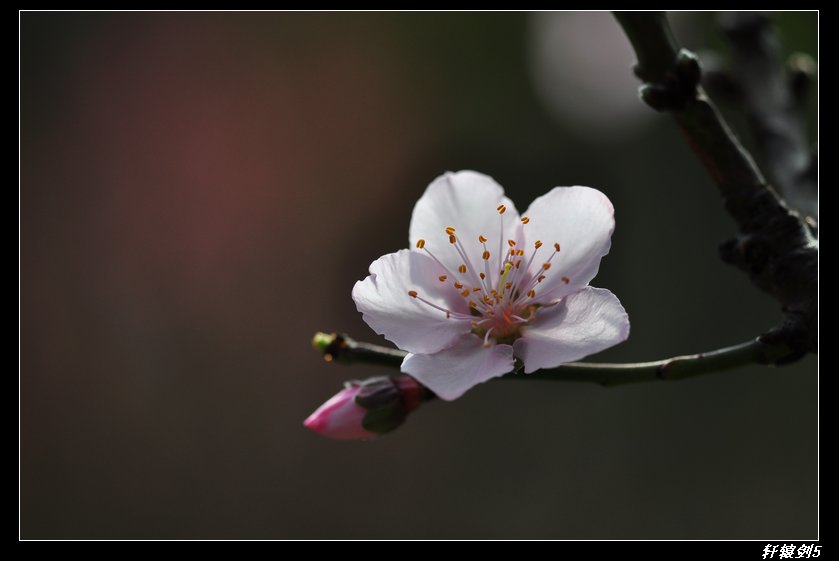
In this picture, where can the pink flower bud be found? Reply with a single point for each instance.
(368, 408)
(340, 417)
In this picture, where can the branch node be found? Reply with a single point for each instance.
(661, 371)
(679, 86)
(331, 345)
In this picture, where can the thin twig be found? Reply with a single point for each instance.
(774, 245)
(342, 348)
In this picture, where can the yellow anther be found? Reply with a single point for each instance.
(546, 266)
(501, 209)
(442, 278)
(508, 285)
(482, 239)
(420, 244)
(531, 293)
(566, 280)
(518, 264)
(462, 269)
(511, 243)
(486, 256)
(538, 244)
(525, 220)
(450, 230)
(556, 246)
(452, 239)
(541, 278)
(412, 293)
(483, 276)
(519, 252)
(476, 289)
(458, 286)
(466, 293)
(472, 304)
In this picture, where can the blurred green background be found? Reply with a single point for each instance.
(199, 192)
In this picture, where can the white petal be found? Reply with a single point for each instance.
(581, 220)
(412, 325)
(450, 373)
(581, 324)
(466, 201)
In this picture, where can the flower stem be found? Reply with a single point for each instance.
(342, 348)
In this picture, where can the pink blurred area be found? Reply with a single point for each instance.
(192, 151)
(189, 185)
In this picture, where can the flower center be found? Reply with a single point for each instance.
(501, 294)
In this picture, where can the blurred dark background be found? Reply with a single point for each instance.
(199, 192)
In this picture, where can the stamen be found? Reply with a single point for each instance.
(519, 252)
(486, 255)
(511, 243)
(450, 231)
(525, 220)
(545, 266)
(537, 245)
(449, 314)
(477, 289)
(531, 293)
(467, 263)
(466, 293)
(434, 257)
(501, 209)
(486, 337)
(452, 239)
(420, 244)
(443, 278)
(566, 280)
